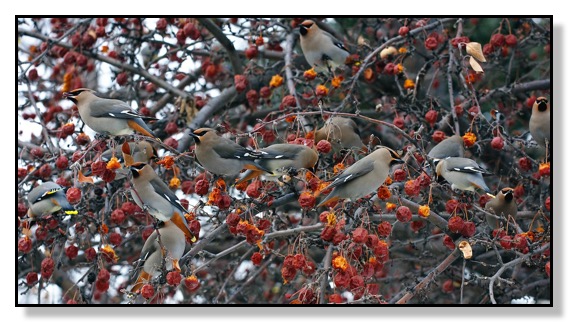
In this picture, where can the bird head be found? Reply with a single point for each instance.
(394, 156)
(199, 133)
(541, 103)
(508, 193)
(78, 94)
(306, 26)
(137, 169)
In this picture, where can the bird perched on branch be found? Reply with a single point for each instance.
(539, 124)
(450, 147)
(224, 157)
(152, 194)
(286, 156)
(342, 133)
(503, 204)
(462, 173)
(322, 51)
(108, 116)
(48, 198)
(153, 255)
(363, 177)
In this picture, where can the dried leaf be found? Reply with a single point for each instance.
(474, 49)
(465, 248)
(388, 52)
(361, 41)
(475, 65)
(82, 178)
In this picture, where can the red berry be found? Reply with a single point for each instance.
(90, 254)
(115, 239)
(173, 278)
(202, 187)
(41, 233)
(307, 200)
(360, 235)
(520, 241)
(233, 219)
(251, 52)
(25, 245)
(546, 269)
(256, 258)
(31, 278)
(69, 58)
(431, 43)
(399, 175)
(398, 122)
(431, 117)
(335, 298)
(384, 229)
(438, 136)
(403, 214)
(455, 224)
(71, 251)
(102, 285)
(68, 128)
(488, 49)
(547, 203)
(328, 233)
(33, 75)
(117, 216)
(122, 78)
(468, 229)
(525, 164)
(73, 195)
(47, 267)
(254, 189)
(148, 230)
(511, 40)
(195, 227)
(448, 286)
(497, 40)
(497, 143)
(483, 199)
(44, 171)
(192, 283)
(171, 142)
(22, 172)
(62, 162)
(506, 242)
(403, 31)
(323, 146)
(103, 275)
(265, 92)
(448, 242)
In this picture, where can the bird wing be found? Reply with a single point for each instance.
(467, 167)
(164, 191)
(48, 194)
(116, 109)
(231, 150)
(359, 169)
(335, 41)
(149, 247)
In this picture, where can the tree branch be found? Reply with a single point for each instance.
(225, 42)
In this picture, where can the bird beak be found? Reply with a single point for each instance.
(66, 95)
(397, 161)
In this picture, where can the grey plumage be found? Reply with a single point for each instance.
(322, 51)
(503, 204)
(450, 147)
(341, 132)
(47, 198)
(462, 173)
(363, 177)
(224, 157)
(108, 116)
(151, 193)
(539, 124)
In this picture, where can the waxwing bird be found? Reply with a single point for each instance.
(363, 177)
(503, 204)
(286, 156)
(224, 157)
(462, 173)
(322, 51)
(48, 198)
(450, 147)
(152, 255)
(151, 193)
(108, 116)
(539, 124)
(139, 151)
(342, 133)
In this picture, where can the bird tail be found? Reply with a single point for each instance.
(249, 175)
(142, 279)
(65, 205)
(179, 221)
(139, 126)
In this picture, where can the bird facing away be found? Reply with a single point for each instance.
(48, 198)
(152, 254)
(462, 173)
(503, 204)
(108, 116)
(450, 147)
(286, 156)
(322, 51)
(342, 133)
(152, 194)
(363, 177)
(224, 157)
(539, 124)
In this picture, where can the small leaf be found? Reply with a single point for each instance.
(474, 49)
(82, 178)
(465, 248)
(475, 65)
